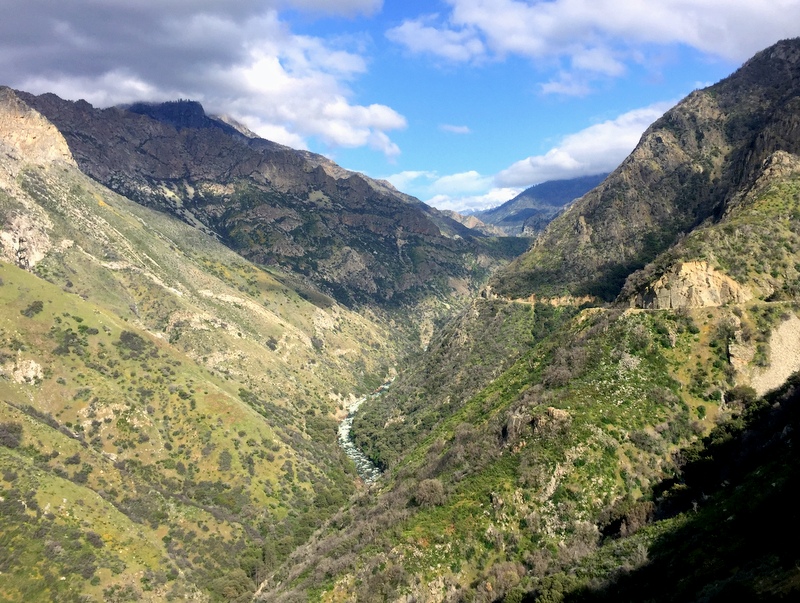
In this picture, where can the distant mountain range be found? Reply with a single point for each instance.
(533, 209)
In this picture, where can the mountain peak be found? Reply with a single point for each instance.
(690, 166)
(182, 114)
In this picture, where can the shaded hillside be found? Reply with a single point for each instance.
(690, 166)
(167, 408)
(534, 208)
(728, 524)
(358, 239)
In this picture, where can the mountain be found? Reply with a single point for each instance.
(614, 418)
(534, 208)
(472, 222)
(167, 408)
(550, 445)
(358, 240)
(691, 166)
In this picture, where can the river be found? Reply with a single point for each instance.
(366, 469)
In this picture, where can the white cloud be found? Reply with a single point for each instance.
(471, 203)
(596, 37)
(568, 84)
(410, 180)
(428, 184)
(464, 182)
(236, 58)
(418, 35)
(455, 129)
(596, 149)
(463, 192)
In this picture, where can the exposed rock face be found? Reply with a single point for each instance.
(22, 371)
(691, 285)
(358, 239)
(784, 357)
(26, 138)
(689, 167)
(25, 134)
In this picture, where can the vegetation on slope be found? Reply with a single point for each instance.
(727, 523)
(756, 243)
(536, 465)
(167, 407)
(690, 166)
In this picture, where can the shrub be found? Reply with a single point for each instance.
(33, 308)
(430, 493)
(10, 435)
(225, 460)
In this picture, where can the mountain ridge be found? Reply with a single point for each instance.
(529, 212)
(689, 166)
(358, 239)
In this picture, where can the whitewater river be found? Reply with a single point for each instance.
(366, 469)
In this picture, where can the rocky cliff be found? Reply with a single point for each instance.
(691, 285)
(358, 239)
(691, 166)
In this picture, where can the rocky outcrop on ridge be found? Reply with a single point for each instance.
(691, 166)
(691, 285)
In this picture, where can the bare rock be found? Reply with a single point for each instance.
(691, 285)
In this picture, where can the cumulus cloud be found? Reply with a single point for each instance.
(463, 192)
(411, 180)
(424, 36)
(427, 184)
(597, 38)
(467, 204)
(237, 58)
(594, 150)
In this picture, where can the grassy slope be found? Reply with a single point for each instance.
(587, 415)
(181, 411)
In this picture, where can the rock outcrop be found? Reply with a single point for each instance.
(691, 285)
(27, 135)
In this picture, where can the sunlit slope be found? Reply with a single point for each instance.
(167, 407)
(691, 166)
(537, 436)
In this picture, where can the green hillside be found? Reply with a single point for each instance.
(168, 408)
(547, 450)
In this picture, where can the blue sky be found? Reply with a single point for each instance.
(462, 103)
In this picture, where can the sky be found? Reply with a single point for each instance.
(461, 103)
